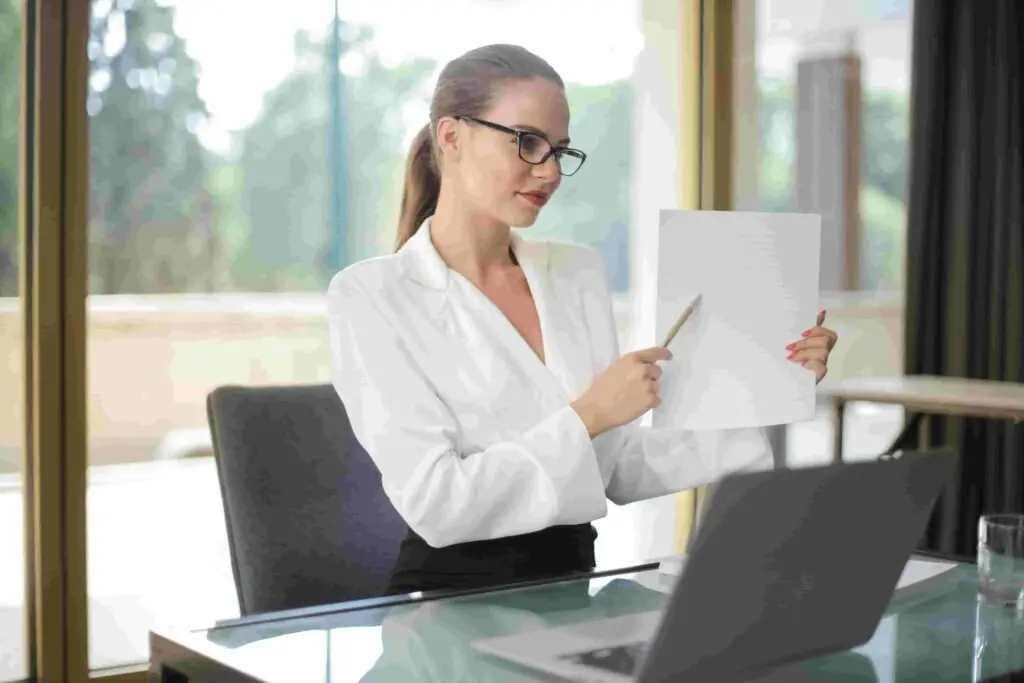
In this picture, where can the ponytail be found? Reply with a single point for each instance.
(422, 186)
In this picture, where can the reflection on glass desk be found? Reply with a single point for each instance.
(941, 633)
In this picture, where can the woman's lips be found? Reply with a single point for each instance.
(534, 198)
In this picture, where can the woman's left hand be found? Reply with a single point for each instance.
(812, 351)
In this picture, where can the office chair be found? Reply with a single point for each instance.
(308, 522)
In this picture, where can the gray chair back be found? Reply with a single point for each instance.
(308, 522)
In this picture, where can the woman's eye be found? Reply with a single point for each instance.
(532, 144)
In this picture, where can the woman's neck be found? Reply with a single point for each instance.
(478, 249)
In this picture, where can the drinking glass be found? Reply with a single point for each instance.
(998, 642)
(1001, 559)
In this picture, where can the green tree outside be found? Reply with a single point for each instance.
(152, 221)
(10, 84)
(285, 177)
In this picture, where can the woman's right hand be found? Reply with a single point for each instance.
(627, 389)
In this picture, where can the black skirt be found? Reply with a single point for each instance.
(554, 552)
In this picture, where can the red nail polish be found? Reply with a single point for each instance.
(805, 333)
(790, 356)
(790, 347)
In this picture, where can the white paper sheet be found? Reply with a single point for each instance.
(757, 276)
(915, 574)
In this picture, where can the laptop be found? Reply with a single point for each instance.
(787, 565)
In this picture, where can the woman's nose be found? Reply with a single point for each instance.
(549, 170)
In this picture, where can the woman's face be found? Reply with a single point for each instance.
(497, 184)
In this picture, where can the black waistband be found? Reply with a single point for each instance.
(555, 551)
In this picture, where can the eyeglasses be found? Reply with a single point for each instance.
(535, 149)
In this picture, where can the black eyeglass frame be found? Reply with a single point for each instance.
(519, 134)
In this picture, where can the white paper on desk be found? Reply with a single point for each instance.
(757, 276)
(917, 573)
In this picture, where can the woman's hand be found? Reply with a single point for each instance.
(812, 351)
(623, 392)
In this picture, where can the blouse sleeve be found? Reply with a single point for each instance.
(653, 462)
(546, 476)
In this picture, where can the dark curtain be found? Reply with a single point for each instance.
(965, 279)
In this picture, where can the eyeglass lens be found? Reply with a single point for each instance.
(533, 149)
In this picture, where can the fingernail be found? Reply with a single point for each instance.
(803, 363)
(790, 347)
(805, 333)
(790, 356)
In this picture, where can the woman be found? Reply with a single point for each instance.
(480, 370)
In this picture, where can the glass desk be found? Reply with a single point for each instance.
(941, 632)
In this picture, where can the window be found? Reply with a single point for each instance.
(213, 233)
(820, 82)
(13, 654)
(847, 62)
(822, 93)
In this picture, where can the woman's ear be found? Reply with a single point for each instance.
(448, 143)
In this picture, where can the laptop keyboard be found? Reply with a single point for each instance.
(621, 659)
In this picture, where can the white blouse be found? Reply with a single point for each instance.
(473, 434)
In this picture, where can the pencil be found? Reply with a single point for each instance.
(682, 319)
